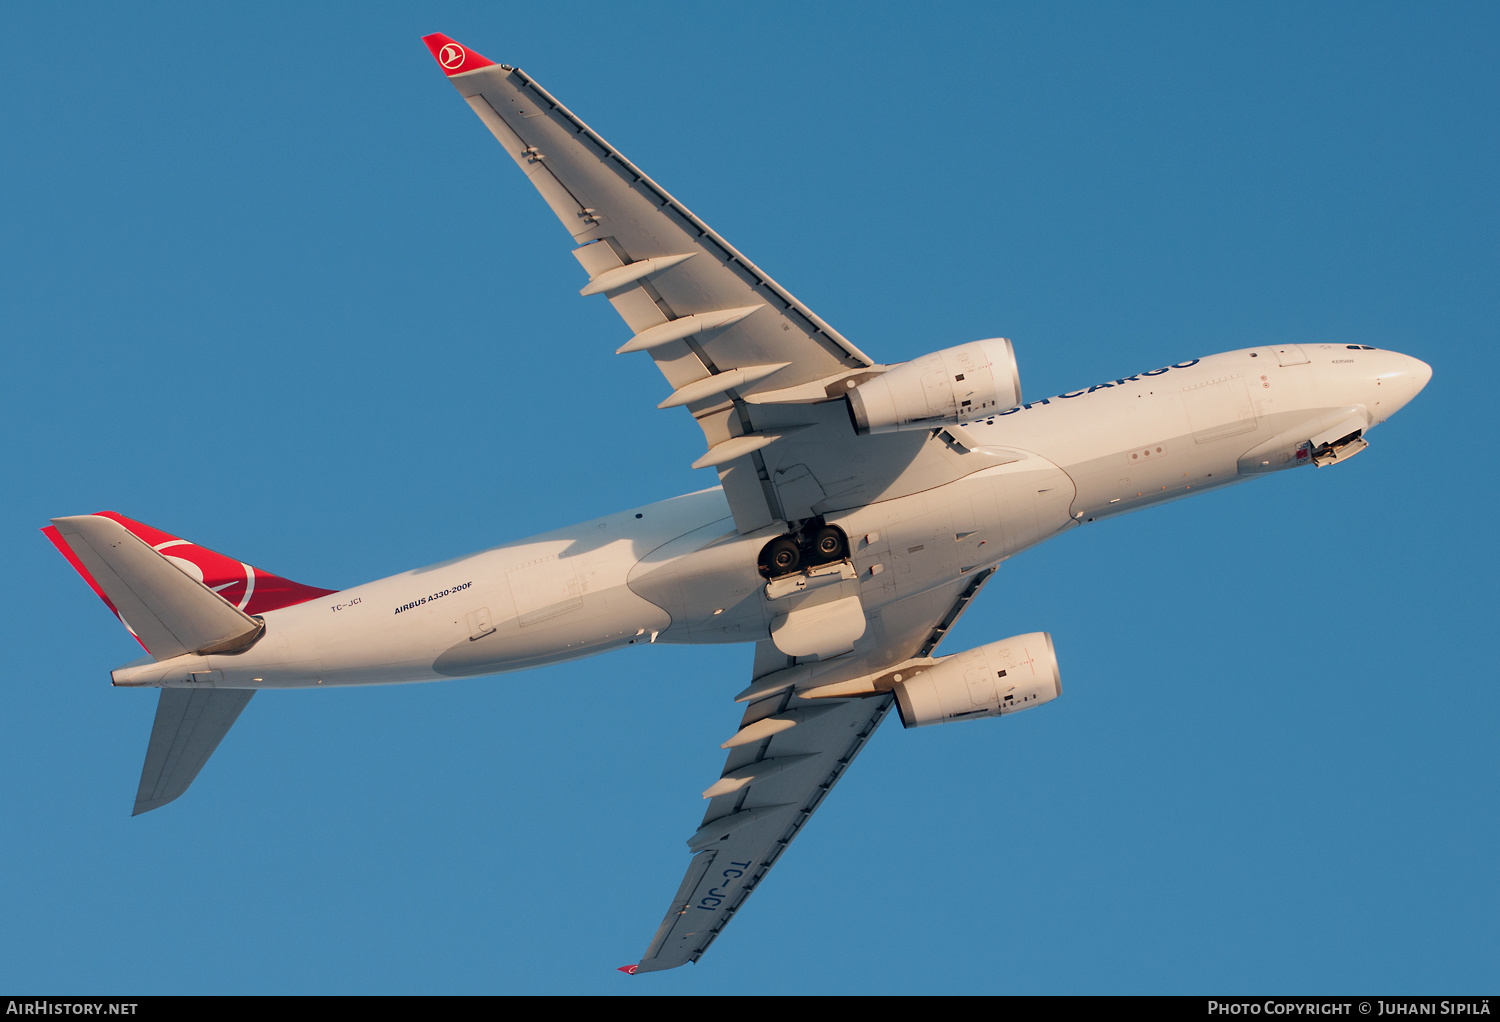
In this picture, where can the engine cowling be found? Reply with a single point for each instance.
(946, 387)
(994, 679)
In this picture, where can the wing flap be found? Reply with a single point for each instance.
(190, 724)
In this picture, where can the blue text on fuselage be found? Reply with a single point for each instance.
(1100, 386)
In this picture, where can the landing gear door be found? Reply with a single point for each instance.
(1290, 354)
(819, 624)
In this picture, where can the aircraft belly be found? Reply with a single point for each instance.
(1155, 472)
(914, 544)
(546, 602)
(556, 596)
(1151, 473)
(707, 581)
(708, 584)
(600, 621)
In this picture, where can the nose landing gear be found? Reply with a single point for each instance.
(814, 543)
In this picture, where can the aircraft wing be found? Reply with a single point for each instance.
(757, 369)
(799, 733)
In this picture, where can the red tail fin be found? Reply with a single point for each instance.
(250, 589)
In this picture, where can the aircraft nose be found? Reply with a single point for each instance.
(1408, 375)
(1420, 372)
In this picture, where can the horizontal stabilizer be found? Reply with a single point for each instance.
(168, 611)
(190, 724)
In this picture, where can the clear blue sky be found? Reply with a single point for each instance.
(267, 283)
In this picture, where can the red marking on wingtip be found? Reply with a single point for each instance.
(453, 57)
(628, 970)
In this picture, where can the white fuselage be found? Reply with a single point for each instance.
(678, 571)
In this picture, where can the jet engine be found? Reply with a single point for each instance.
(946, 387)
(994, 679)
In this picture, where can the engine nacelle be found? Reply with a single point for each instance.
(996, 678)
(947, 387)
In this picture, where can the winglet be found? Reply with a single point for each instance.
(455, 58)
(628, 970)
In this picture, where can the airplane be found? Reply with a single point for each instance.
(860, 508)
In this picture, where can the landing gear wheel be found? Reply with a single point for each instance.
(782, 556)
(829, 544)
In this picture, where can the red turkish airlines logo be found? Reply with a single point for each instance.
(451, 56)
(248, 588)
(234, 580)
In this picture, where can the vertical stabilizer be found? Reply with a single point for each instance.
(170, 612)
(244, 586)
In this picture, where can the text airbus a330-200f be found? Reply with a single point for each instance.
(860, 508)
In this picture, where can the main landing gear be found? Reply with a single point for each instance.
(813, 543)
